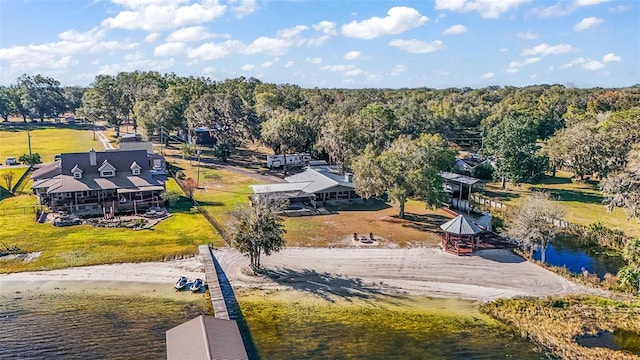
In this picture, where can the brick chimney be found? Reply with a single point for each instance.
(92, 157)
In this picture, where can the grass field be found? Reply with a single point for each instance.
(226, 189)
(582, 201)
(87, 245)
(18, 172)
(46, 139)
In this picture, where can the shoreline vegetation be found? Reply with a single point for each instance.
(556, 322)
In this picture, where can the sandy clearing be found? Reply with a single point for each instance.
(489, 275)
(151, 272)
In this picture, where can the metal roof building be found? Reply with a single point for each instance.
(206, 337)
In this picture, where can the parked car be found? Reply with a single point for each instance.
(57, 157)
(11, 161)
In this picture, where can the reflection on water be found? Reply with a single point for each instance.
(65, 325)
(568, 252)
(384, 328)
(618, 340)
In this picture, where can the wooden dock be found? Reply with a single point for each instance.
(213, 283)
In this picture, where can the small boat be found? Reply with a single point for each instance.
(181, 283)
(196, 286)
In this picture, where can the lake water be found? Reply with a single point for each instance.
(61, 322)
(568, 252)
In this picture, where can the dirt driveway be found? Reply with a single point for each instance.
(489, 275)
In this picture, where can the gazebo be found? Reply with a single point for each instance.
(461, 235)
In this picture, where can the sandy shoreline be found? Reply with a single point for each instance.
(488, 275)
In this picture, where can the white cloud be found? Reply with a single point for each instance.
(292, 32)
(326, 27)
(189, 34)
(488, 75)
(267, 64)
(417, 46)
(170, 49)
(565, 7)
(211, 51)
(587, 23)
(590, 2)
(313, 60)
(209, 70)
(352, 55)
(503, 50)
(455, 29)
(515, 66)
(249, 67)
(593, 65)
(398, 69)
(152, 37)
(58, 54)
(620, 8)
(267, 45)
(134, 62)
(611, 57)
(527, 35)
(346, 70)
(245, 7)
(288, 64)
(545, 49)
(159, 15)
(317, 42)
(490, 9)
(398, 20)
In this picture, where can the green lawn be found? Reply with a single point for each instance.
(46, 140)
(86, 245)
(18, 172)
(582, 201)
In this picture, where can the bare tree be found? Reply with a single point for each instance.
(260, 228)
(533, 223)
(8, 179)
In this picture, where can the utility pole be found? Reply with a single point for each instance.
(93, 125)
(161, 139)
(198, 151)
(29, 142)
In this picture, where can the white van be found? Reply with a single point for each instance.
(11, 161)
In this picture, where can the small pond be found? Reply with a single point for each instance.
(618, 340)
(567, 251)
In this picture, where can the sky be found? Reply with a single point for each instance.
(328, 43)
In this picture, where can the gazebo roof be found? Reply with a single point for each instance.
(460, 225)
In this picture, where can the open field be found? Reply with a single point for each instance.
(581, 200)
(225, 188)
(47, 139)
(62, 247)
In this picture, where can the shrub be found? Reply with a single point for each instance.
(628, 278)
(172, 196)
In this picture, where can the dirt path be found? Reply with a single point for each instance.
(489, 275)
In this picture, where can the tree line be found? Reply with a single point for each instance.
(527, 131)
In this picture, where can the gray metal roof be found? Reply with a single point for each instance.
(206, 337)
(461, 225)
(47, 170)
(321, 180)
(463, 179)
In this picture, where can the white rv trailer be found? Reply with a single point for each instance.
(293, 160)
